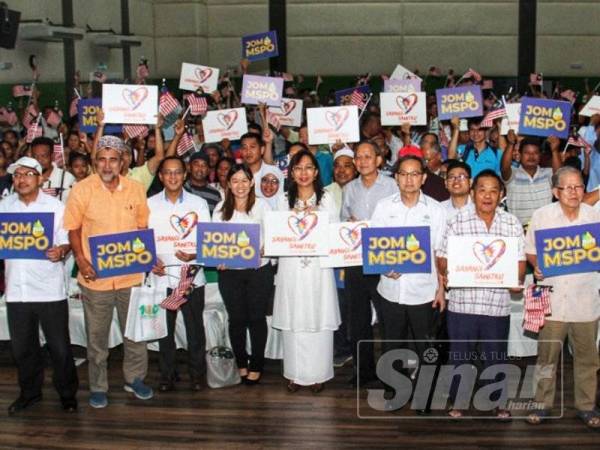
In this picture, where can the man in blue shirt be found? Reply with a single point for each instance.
(478, 152)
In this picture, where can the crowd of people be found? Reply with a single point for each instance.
(458, 182)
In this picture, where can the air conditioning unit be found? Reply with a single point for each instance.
(39, 31)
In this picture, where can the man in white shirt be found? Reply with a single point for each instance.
(56, 182)
(458, 183)
(174, 213)
(410, 299)
(36, 295)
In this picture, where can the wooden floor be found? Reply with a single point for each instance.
(263, 416)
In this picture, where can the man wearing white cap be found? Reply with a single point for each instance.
(36, 295)
(107, 203)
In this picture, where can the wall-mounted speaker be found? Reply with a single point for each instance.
(9, 25)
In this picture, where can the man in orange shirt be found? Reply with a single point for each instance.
(107, 203)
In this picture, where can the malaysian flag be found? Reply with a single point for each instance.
(179, 295)
(134, 131)
(167, 103)
(185, 144)
(35, 130)
(58, 155)
(536, 307)
(273, 120)
(53, 119)
(198, 104)
(357, 99)
(471, 73)
(30, 115)
(578, 141)
(498, 111)
(20, 90)
(536, 79)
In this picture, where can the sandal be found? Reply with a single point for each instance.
(537, 417)
(503, 415)
(590, 418)
(455, 413)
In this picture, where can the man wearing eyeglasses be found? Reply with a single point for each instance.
(36, 295)
(458, 183)
(574, 301)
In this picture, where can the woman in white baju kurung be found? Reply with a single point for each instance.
(306, 306)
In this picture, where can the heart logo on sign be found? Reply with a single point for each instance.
(337, 119)
(203, 74)
(489, 254)
(136, 97)
(288, 107)
(184, 225)
(302, 226)
(227, 119)
(351, 235)
(406, 102)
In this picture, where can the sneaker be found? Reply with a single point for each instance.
(341, 360)
(139, 389)
(98, 400)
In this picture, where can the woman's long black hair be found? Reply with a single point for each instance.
(293, 187)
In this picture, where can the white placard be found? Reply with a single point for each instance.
(402, 73)
(591, 107)
(178, 234)
(194, 76)
(483, 261)
(289, 113)
(511, 121)
(296, 234)
(344, 241)
(224, 124)
(130, 103)
(327, 125)
(398, 108)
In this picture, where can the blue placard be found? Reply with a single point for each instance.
(464, 101)
(343, 97)
(123, 253)
(237, 245)
(561, 251)
(401, 249)
(541, 117)
(26, 235)
(87, 108)
(260, 46)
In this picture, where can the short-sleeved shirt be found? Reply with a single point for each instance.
(525, 194)
(142, 175)
(488, 158)
(36, 280)
(359, 201)
(481, 301)
(575, 297)
(96, 210)
(208, 193)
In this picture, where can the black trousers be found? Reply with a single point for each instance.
(360, 291)
(246, 293)
(342, 346)
(192, 311)
(24, 320)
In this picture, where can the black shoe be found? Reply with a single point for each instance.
(22, 403)
(248, 382)
(166, 386)
(69, 405)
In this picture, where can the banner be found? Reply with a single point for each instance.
(410, 85)
(398, 249)
(541, 117)
(87, 110)
(399, 108)
(257, 89)
(511, 121)
(130, 103)
(327, 125)
(260, 46)
(483, 261)
(296, 234)
(561, 251)
(194, 76)
(289, 113)
(123, 253)
(462, 101)
(26, 235)
(591, 107)
(402, 73)
(344, 240)
(343, 97)
(224, 124)
(177, 234)
(237, 245)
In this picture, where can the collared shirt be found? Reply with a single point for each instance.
(336, 192)
(575, 297)
(208, 193)
(525, 194)
(452, 210)
(36, 280)
(411, 288)
(481, 301)
(142, 175)
(59, 183)
(96, 210)
(162, 214)
(359, 201)
(488, 158)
